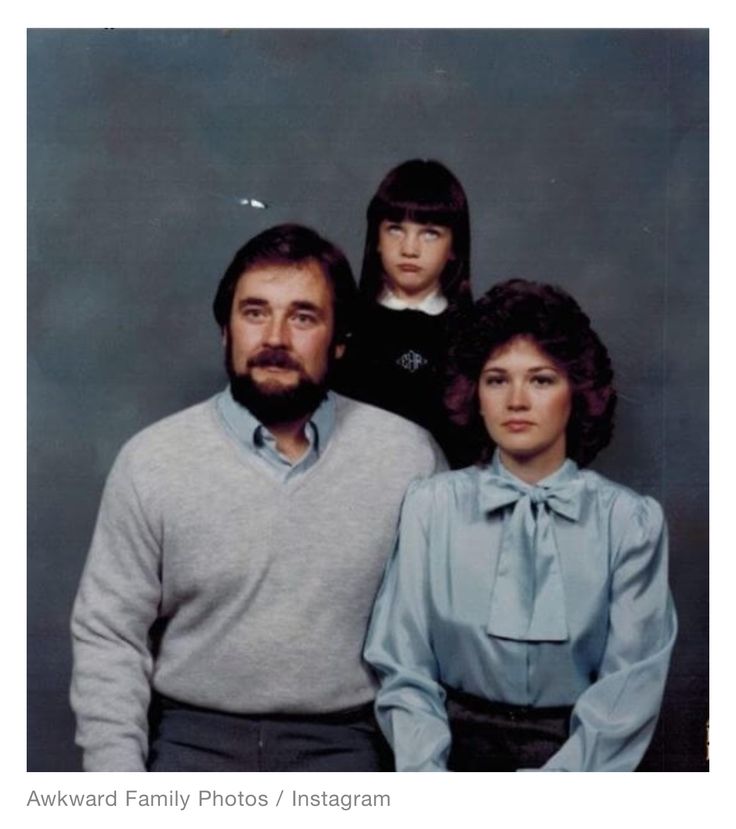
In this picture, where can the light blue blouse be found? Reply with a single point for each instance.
(546, 595)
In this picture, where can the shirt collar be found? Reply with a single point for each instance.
(250, 432)
(433, 305)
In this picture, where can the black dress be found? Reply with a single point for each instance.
(396, 360)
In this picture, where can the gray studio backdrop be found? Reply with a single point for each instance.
(584, 156)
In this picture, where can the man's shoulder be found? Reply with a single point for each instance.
(172, 433)
(374, 432)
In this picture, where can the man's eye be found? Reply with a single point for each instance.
(303, 318)
(253, 313)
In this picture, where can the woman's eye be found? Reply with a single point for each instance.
(543, 380)
(494, 380)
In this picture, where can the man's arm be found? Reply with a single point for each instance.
(117, 602)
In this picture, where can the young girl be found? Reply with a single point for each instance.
(416, 273)
(525, 620)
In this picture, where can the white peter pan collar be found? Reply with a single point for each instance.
(433, 304)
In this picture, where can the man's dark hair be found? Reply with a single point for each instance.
(425, 192)
(555, 322)
(292, 244)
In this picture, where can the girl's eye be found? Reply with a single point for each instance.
(394, 230)
(431, 233)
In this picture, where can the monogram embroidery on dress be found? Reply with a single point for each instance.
(412, 361)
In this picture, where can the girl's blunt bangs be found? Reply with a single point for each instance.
(423, 214)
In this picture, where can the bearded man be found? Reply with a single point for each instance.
(239, 546)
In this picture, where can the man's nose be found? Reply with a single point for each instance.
(276, 332)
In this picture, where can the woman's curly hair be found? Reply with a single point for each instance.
(556, 323)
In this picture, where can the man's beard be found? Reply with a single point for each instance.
(271, 403)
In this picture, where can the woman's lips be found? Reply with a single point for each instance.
(517, 425)
(409, 268)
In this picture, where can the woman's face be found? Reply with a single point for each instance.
(413, 257)
(525, 402)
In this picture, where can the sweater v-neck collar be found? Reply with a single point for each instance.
(260, 453)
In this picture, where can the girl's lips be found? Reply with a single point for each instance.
(409, 268)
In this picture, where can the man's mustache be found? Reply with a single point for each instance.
(273, 358)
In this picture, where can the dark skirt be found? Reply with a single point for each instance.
(488, 736)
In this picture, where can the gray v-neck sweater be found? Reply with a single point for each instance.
(260, 591)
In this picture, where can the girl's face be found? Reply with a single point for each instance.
(525, 402)
(413, 257)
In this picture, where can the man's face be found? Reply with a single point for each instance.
(280, 338)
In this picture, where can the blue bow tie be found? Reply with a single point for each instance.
(528, 597)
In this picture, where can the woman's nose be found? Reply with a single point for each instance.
(518, 398)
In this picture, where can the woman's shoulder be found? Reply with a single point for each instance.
(626, 506)
(443, 488)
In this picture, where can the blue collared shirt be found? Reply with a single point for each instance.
(257, 439)
(546, 595)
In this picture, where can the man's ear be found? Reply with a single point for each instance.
(224, 336)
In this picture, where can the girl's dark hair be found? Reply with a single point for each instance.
(425, 192)
(556, 323)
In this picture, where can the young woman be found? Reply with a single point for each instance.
(525, 620)
(416, 273)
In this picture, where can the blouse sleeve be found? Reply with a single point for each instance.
(410, 704)
(613, 720)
